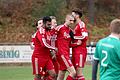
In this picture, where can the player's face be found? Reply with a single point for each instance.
(73, 14)
(40, 23)
(48, 25)
(54, 23)
(70, 20)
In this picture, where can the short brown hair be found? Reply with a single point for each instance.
(115, 26)
(78, 11)
(52, 17)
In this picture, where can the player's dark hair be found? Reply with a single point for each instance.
(36, 22)
(45, 19)
(78, 11)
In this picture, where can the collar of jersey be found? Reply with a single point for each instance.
(113, 37)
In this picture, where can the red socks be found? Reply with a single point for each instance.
(80, 78)
(69, 78)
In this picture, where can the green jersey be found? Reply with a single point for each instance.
(108, 53)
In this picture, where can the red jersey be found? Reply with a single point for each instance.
(63, 39)
(41, 42)
(80, 33)
(53, 38)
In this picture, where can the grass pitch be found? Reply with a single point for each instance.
(25, 72)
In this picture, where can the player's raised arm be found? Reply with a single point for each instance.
(42, 39)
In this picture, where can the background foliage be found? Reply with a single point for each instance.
(18, 16)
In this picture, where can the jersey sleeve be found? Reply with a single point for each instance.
(33, 37)
(83, 29)
(58, 27)
(84, 32)
(33, 41)
(96, 54)
(40, 36)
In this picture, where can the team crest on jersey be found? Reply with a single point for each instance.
(54, 37)
(66, 35)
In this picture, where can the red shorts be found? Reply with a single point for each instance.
(79, 59)
(64, 61)
(40, 63)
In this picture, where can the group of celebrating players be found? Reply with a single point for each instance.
(52, 43)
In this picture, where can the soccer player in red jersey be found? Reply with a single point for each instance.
(53, 33)
(63, 44)
(41, 56)
(79, 53)
(53, 43)
(38, 24)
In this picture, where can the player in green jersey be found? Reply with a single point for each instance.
(107, 55)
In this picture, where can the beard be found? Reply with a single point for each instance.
(48, 28)
(75, 21)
